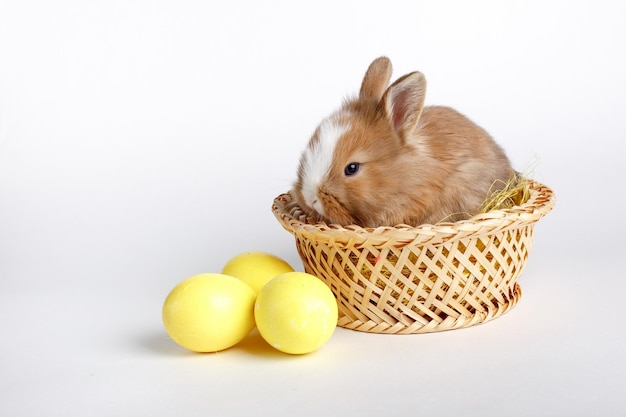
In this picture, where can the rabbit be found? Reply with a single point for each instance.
(384, 159)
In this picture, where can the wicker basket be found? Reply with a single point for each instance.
(403, 280)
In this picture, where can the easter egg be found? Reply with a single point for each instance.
(209, 312)
(256, 268)
(296, 313)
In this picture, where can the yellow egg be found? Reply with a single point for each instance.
(209, 312)
(256, 268)
(296, 313)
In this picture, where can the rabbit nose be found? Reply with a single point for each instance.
(315, 203)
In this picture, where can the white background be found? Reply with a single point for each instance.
(142, 142)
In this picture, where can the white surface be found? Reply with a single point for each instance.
(143, 142)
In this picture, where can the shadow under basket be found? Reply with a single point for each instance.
(404, 280)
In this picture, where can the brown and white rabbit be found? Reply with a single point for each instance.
(384, 159)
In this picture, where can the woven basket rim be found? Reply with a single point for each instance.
(540, 202)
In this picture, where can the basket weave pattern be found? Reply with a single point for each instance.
(404, 279)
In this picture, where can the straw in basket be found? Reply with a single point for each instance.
(403, 280)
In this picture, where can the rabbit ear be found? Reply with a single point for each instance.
(403, 102)
(376, 79)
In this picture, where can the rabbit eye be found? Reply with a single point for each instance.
(351, 169)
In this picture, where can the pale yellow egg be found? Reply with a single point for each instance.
(296, 313)
(256, 268)
(209, 312)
